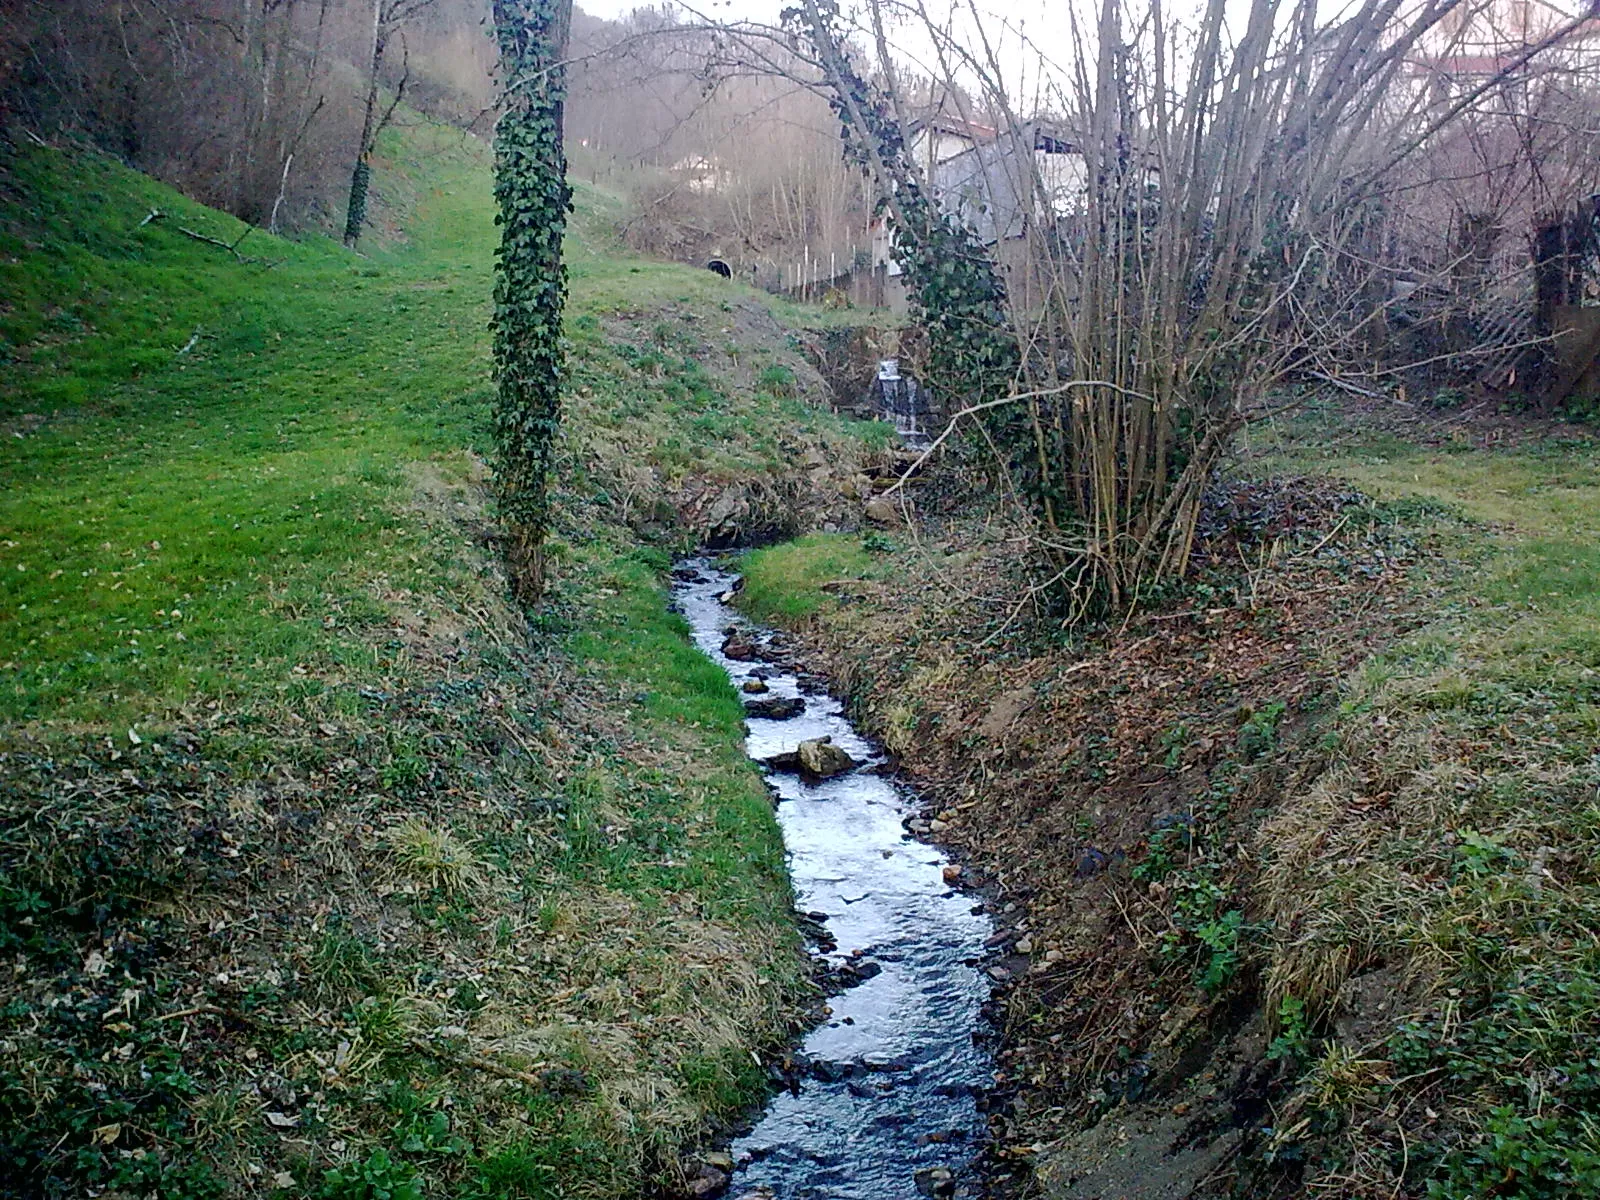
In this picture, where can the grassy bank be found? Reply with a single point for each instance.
(1434, 893)
(324, 871)
(1304, 855)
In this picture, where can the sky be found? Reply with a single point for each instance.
(1043, 21)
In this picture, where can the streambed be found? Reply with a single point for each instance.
(886, 1103)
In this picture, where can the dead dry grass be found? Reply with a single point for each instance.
(1112, 783)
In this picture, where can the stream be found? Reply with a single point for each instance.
(885, 1106)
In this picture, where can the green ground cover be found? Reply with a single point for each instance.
(329, 872)
(1451, 844)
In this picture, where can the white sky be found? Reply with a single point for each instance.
(1042, 21)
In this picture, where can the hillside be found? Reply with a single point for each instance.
(324, 871)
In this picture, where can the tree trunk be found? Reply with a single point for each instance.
(356, 212)
(530, 278)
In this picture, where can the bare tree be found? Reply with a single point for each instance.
(389, 18)
(1220, 231)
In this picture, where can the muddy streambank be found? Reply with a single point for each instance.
(884, 1097)
(1112, 789)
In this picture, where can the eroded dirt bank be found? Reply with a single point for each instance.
(1114, 784)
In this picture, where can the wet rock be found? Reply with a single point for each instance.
(830, 1072)
(708, 1182)
(819, 757)
(860, 972)
(952, 873)
(935, 1182)
(775, 708)
(739, 648)
(812, 927)
(688, 575)
(719, 1159)
(754, 687)
(1090, 862)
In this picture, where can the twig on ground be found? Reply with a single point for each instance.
(155, 214)
(476, 1062)
(1344, 386)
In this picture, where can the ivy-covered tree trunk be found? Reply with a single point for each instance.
(355, 215)
(530, 279)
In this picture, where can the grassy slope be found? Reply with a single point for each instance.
(297, 818)
(1427, 911)
(1448, 854)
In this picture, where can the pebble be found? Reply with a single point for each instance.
(1024, 945)
(952, 873)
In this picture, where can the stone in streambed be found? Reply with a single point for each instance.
(707, 1183)
(818, 758)
(754, 687)
(821, 758)
(775, 708)
(738, 647)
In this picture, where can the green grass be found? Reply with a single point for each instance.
(783, 584)
(253, 578)
(1454, 837)
(174, 522)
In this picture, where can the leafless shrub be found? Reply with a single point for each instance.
(1231, 218)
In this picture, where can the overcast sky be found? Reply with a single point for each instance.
(1041, 21)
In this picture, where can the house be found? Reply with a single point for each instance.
(702, 173)
(937, 138)
(1005, 188)
(1000, 188)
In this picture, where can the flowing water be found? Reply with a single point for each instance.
(891, 1079)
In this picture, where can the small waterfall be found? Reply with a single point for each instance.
(902, 401)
